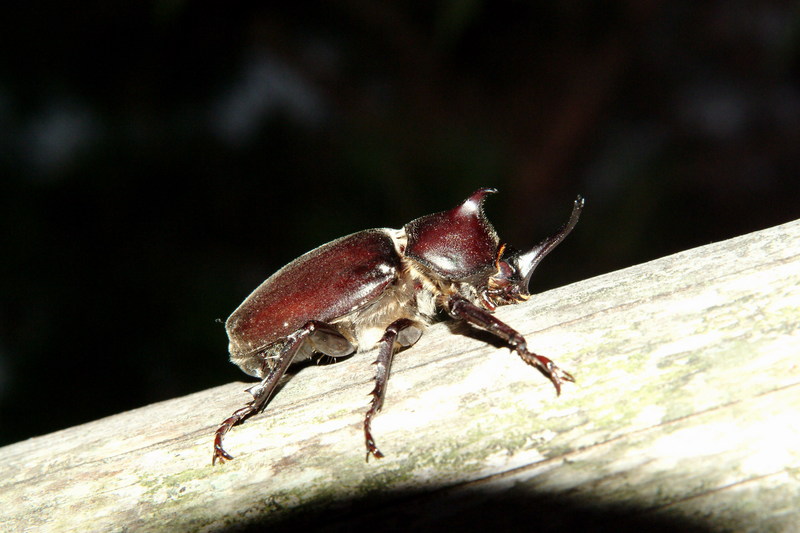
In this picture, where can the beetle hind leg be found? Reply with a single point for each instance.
(313, 335)
(403, 332)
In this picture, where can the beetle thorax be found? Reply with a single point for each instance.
(411, 296)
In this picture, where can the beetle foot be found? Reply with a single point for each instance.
(219, 452)
(220, 455)
(558, 376)
(372, 449)
(239, 416)
(551, 371)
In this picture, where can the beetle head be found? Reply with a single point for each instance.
(513, 269)
(457, 245)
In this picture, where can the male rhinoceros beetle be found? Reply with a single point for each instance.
(383, 286)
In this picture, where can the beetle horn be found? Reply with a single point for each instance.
(527, 262)
(472, 205)
(459, 244)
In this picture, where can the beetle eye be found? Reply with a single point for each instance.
(504, 270)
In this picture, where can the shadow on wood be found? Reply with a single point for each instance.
(513, 509)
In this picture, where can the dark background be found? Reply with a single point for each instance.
(160, 159)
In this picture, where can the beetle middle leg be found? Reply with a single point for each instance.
(404, 332)
(463, 309)
(314, 335)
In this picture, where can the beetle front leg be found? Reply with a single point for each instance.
(398, 332)
(465, 310)
(262, 391)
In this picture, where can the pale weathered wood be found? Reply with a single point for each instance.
(685, 412)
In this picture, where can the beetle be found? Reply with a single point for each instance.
(383, 287)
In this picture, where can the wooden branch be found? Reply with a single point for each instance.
(685, 414)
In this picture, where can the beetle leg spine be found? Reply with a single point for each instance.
(384, 367)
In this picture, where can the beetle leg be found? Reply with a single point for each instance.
(401, 332)
(463, 309)
(263, 391)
